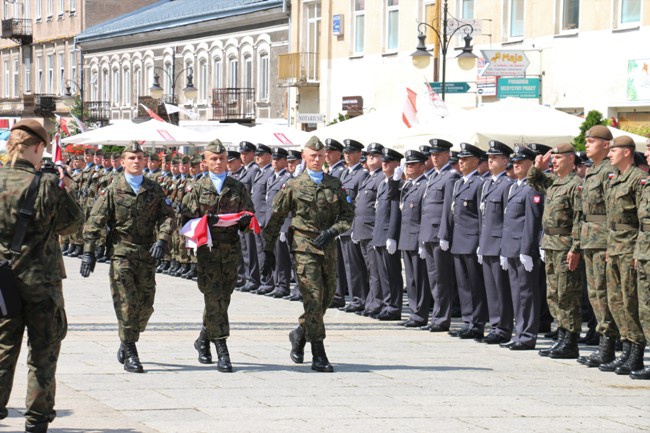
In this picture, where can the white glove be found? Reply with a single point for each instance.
(354, 241)
(391, 246)
(397, 175)
(444, 245)
(480, 257)
(527, 261)
(422, 253)
(541, 254)
(504, 263)
(283, 237)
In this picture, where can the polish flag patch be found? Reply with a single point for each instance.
(537, 199)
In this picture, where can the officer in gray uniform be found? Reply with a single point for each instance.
(235, 170)
(334, 158)
(249, 248)
(282, 271)
(463, 239)
(495, 274)
(295, 168)
(263, 158)
(417, 283)
(363, 225)
(355, 266)
(436, 202)
(385, 236)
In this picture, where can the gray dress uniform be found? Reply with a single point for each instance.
(249, 248)
(258, 195)
(417, 282)
(241, 269)
(282, 271)
(337, 170)
(436, 202)
(463, 238)
(522, 224)
(355, 266)
(362, 228)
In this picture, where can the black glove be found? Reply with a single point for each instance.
(87, 264)
(245, 221)
(269, 263)
(158, 249)
(324, 237)
(213, 219)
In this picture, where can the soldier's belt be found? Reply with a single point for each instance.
(139, 240)
(596, 218)
(558, 231)
(645, 227)
(623, 227)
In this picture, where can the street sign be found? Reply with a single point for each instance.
(518, 87)
(505, 62)
(450, 86)
(311, 118)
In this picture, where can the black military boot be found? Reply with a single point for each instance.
(185, 267)
(634, 361)
(223, 357)
(173, 267)
(590, 338)
(202, 345)
(164, 265)
(132, 361)
(568, 348)
(643, 374)
(78, 250)
(121, 353)
(622, 358)
(297, 339)
(99, 255)
(41, 427)
(319, 358)
(70, 249)
(65, 246)
(189, 275)
(545, 352)
(603, 355)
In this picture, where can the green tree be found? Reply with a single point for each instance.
(594, 117)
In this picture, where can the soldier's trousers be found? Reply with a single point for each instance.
(643, 292)
(498, 296)
(391, 284)
(440, 268)
(217, 275)
(46, 325)
(622, 297)
(341, 277)
(596, 270)
(317, 282)
(373, 301)
(133, 287)
(417, 286)
(526, 296)
(563, 291)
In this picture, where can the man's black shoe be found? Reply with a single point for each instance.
(385, 316)
(521, 346)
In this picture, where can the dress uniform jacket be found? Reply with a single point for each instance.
(436, 199)
(282, 271)
(352, 178)
(337, 169)
(258, 193)
(249, 173)
(364, 210)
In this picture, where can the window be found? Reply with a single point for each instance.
(49, 8)
(515, 18)
(39, 10)
(61, 7)
(629, 12)
(392, 24)
(50, 74)
(569, 14)
(6, 81)
(138, 84)
(127, 87)
(61, 63)
(39, 74)
(430, 17)
(168, 79)
(248, 72)
(5, 10)
(73, 6)
(467, 9)
(16, 78)
(73, 69)
(104, 86)
(116, 87)
(28, 73)
(312, 32)
(94, 86)
(149, 76)
(233, 70)
(263, 86)
(203, 81)
(359, 25)
(217, 73)
(27, 11)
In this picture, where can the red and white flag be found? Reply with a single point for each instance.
(63, 124)
(151, 113)
(436, 100)
(197, 233)
(82, 126)
(410, 112)
(57, 156)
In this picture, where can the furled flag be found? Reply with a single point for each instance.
(196, 233)
(410, 112)
(230, 219)
(57, 157)
(63, 124)
(82, 126)
(151, 113)
(436, 101)
(176, 109)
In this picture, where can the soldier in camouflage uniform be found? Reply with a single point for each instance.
(624, 192)
(195, 176)
(593, 241)
(213, 195)
(321, 210)
(76, 249)
(132, 207)
(561, 244)
(76, 166)
(38, 272)
(154, 167)
(182, 255)
(642, 260)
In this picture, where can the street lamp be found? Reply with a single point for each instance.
(421, 56)
(189, 91)
(68, 98)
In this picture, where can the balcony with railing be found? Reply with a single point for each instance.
(158, 107)
(298, 69)
(18, 30)
(233, 104)
(44, 104)
(97, 112)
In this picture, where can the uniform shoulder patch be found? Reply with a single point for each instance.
(644, 181)
(537, 199)
(284, 185)
(579, 187)
(189, 188)
(611, 176)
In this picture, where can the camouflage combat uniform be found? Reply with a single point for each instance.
(132, 219)
(642, 255)
(622, 218)
(561, 224)
(314, 208)
(217, 267)
(38, 271)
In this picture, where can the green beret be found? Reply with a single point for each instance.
(154, 157)
(89, 151)
(314, 144)
(215, 146)
(176, 161)
(599, 131)
(185, 160)
(196, 160)
(622, 141)
(168, 158)
(563, 148)
(116, 155)
(79, 158)
(99, 152)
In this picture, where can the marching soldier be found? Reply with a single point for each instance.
(561, 245)
(134, 208)
(320, 211)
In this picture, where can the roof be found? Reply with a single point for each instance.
(166, 14)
